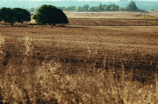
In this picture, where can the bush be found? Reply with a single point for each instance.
(51, 15)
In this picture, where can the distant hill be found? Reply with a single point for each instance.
(30, 3)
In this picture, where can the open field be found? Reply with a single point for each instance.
(109, 14)
(113, 22)
(113, 18)
(79, 64)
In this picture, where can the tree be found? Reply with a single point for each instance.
(107, 8)
(0, 19)
(101, 7)
(22, 15)
(114, 7)
(14, 15)
(132, 6)
(8, 15)
(51, 15)
(71, 8)
(86, 7)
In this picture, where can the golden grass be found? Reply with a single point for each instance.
(28, 44)
(106, 14)
(79, 65)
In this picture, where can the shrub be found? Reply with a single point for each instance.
(51, 15)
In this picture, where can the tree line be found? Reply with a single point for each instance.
(102, 7)
(46, 14)
(12, 15)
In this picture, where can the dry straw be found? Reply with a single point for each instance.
(2, 43)
(28, 45)
(51, 81)
(2, 40)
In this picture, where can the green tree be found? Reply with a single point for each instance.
(114, 7)
(132, 6)
(121, 9)
(22, 15)
(0, 19)
(86, 7)
(71, 8)
(94, 9)
(107, 8)
(100, 7)
(51, 15)
(8, 15)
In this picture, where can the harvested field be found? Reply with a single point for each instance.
(121, 15)
(113, 18)
(113, 22)
(83, 62)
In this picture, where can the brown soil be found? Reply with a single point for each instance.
(86, 49)
(112, 22)
(110, 15)
(112, 18)
(136, 47)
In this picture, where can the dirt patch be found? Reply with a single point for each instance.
(133, 42)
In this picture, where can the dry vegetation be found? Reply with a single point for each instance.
(79, 65)
(113, 18)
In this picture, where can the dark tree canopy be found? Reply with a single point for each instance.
(132, 6)
(14, 15)
(8, 15)
(51, 15)
(22, 15)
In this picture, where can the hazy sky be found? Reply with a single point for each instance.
(115, 0)
(93, 0)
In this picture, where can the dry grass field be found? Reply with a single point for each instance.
(113, 18)
(79, 63)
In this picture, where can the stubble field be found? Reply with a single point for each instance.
(79, 63)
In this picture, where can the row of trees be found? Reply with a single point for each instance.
(112, 7)
(47, 14)
(14, 15)
(102, 7)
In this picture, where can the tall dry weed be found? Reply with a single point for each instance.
(28, 45)
(52, 83)
(2, 43)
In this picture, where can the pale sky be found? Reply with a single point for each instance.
(92, 0)
(113, 0)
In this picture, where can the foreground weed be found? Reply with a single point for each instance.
(51, 82)
(2, 53)
(28, 45)
(2, 40)
(2, 43)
